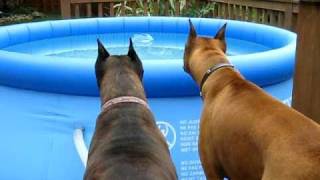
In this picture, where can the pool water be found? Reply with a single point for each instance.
(149, 46)
(145, 52)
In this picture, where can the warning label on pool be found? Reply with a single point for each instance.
(191, 170)
(168, 132)
(182, 138)
(190, 165)
(189, 135)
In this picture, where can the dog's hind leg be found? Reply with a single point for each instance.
(211, 170)
(213, 175)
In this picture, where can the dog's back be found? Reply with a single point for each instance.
(261, 138)
(127, 143)
(129, 147)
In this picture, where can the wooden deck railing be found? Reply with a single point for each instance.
(74, 8)
(282, 13)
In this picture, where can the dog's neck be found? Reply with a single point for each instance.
(219, 81)
(121, 83)
(216, 81)
(208, 60)
(212, 70)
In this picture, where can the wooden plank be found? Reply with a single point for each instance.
(236, 11)
(111, 9)
(274, 5)
(65, 6)
(265, 17)
(134, 8)
(123, 9)
(288, 17)
(245, 13)
(249, 9)
(242, 13)
(43, 4)
(280, 19)
(218, 9)
(96, 1)
(145, 7)
(295, 8)
(49, 5)
(229, 11)
(254, 14)
(52, 5)
(278, 6)
(89, 10)
(240, 16)
(197, 4)
(77, 10)
(272, 17)
(286, 1)
(272, 1)
(224, 11)
(177, 8)
(260, 15)
(46, 5)
(100, 9)
(306, 87)
(166, 8)
(156, 8)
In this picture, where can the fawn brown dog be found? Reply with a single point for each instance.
(127, 143)
(245, 134)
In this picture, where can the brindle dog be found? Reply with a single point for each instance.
(245, 134)
(127, 143)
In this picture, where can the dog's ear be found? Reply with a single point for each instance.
(101, 59)
(221, 33)
(135, 59)
(192, 31)
(132, 52)
(189, 46)
(102, 52)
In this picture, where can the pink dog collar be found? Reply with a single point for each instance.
(124, 99)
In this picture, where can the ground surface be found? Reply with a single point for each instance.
(24, 14)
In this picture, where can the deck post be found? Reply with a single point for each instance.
(65, 6)
(306, 87)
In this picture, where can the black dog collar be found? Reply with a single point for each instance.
(212, 70)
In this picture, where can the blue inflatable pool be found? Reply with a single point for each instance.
(48, 88)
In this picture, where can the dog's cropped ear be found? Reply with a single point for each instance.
(221, 33)
(101, 59)
(102, 52)
(135, 58)
(192, 31)
(132, 52)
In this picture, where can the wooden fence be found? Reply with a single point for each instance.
(282, 13)
(75, 8)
